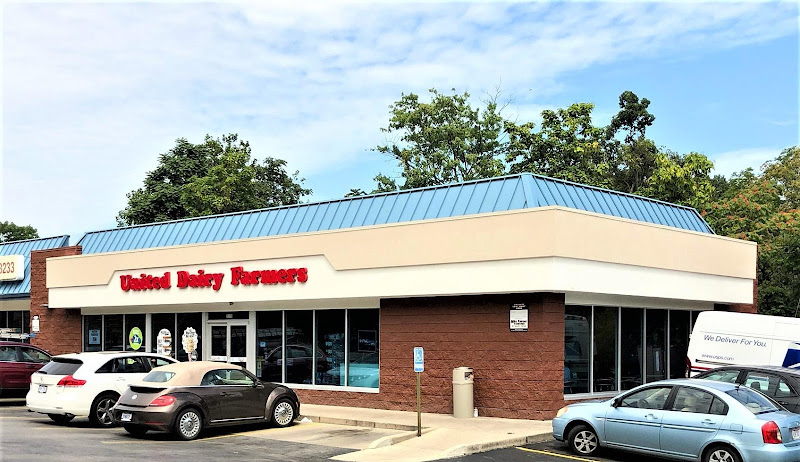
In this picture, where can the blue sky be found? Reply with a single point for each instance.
(93, 92)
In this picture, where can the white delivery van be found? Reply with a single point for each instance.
(721, 338)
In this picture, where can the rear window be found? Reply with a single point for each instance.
(158, 376)
(61, 366)
(753, 401)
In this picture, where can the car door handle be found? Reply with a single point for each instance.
(121, 379)
(651, 417)
(708, 422)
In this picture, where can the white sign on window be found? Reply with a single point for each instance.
(12, 267)
(518, 317)
(94, 336)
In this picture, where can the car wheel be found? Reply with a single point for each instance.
(135, 430)
(100, 413)
(583, 440)
(189, 424)
(282, 414)
(721, 454)
(60, 418)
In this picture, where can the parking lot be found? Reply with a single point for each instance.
(26, 436)
(550, 451)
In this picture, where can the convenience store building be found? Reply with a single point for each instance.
(550, 290)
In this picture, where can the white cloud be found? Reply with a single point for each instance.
(92, 92)
(727, 163)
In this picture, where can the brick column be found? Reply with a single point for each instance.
(59, 329)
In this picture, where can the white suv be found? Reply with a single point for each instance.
(88, 384)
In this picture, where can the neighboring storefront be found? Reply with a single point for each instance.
(552, 291)
(15, 282)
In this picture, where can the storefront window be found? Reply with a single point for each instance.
(92, 329)
(132, 321)
(114, 338)
(269, 345)
(26, 321)
(577, 347)
(15, 321)
(678, 343)
(299, 341)
(605, 349)
(631, 357)
(656, 357)
(364, 368)
(330, 347)
(185, 321)
(159, 322)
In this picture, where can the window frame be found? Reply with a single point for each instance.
(714, 398)
(667, 401)
(620, 344)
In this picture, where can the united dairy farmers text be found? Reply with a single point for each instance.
(201, 279)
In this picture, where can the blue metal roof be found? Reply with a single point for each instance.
(482, 196)
(22, 289)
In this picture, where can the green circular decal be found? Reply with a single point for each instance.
(135, 338)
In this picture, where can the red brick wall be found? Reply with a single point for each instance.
(517, 374)
(60, 329)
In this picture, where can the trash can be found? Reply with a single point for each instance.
(462, 392)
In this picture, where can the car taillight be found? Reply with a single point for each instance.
(164, 400)
(688, 367)
(70, 381)
(771, 433)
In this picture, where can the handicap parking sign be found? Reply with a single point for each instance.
(419, 360)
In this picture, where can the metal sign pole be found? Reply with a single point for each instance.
(419, 409)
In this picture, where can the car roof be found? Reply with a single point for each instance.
(11, 343)
(102, 356)
(189, 373)
(720, 386)
(786, 370)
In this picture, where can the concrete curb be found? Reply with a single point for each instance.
(363, 423)
(394, 439)
(465, 450)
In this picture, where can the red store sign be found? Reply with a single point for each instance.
(186, 279)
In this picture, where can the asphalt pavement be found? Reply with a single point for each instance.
(551, 451)
(27, 436)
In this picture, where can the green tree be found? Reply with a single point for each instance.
(217, 176)
(681, 179)
(442, 141)
(750, 214)
(568, 146)
(11, 232)
(785, 171)
(779, 278)
(632, 118)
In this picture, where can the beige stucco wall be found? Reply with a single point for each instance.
(577, 240)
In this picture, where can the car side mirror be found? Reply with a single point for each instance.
(258, 384)
(616, 402)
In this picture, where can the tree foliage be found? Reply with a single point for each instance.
(442, 141)
(680, 179)
(568, 146)
(762, 208)
(216, 176)
(11, 232)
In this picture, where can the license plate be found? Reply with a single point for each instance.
(126, 417)
(42, 388)
(796, 433)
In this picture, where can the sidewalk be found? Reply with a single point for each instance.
(443, 436)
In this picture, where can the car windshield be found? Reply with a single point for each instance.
(754, 402)
(158, 376)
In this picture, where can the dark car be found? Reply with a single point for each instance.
(18, 361)
(187, 397)
(779, 383)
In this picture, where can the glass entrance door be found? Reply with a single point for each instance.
(229, 343)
